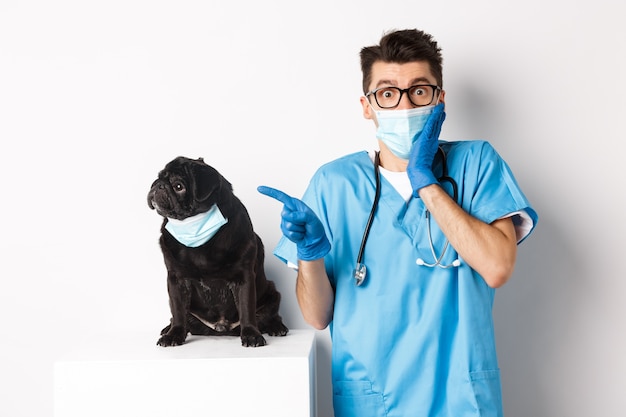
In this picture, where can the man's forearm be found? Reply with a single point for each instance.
(490, 249)
(315, 294)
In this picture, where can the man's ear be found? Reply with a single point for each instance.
(442, 97)
(368, 112)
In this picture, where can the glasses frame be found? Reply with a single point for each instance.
(436, 91)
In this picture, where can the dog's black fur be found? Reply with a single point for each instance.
(220, 287)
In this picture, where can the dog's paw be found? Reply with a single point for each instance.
(174, 337)
(251, 337)
(277, 329)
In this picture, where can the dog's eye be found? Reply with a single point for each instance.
(178, 187)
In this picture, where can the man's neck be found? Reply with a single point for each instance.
(391, 162)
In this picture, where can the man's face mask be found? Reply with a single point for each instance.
(399, 129)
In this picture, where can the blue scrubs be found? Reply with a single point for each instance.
(412, 340)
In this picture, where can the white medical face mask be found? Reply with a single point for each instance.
(399, 129)
(197, 230)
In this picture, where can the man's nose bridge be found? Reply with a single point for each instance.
(405, 103)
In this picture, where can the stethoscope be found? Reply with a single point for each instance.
(360, 270)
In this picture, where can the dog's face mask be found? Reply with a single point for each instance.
(196, 230)
(185, 188)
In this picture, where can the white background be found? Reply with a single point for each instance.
(95, 98)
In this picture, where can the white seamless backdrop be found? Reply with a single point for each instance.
(95, 97)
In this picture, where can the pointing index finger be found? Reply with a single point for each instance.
(278, 195)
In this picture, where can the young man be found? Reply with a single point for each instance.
(411, 316)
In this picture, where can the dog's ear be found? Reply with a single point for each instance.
(205, 180)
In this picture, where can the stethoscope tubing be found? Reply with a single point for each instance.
(360, 270)
(370, 219)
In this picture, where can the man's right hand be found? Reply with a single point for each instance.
(300, 225)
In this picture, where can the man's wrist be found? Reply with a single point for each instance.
(422, 192)
(420, 180)
(315, 251)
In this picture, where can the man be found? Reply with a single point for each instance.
(412, 330)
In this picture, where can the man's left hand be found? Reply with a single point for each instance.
(423, 152)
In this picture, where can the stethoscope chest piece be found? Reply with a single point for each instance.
(359, 274)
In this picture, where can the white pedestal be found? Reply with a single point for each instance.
(128, 375)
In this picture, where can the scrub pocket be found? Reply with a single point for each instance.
(357, 399)
(487, 393)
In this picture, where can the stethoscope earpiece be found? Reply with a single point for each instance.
(421, 262)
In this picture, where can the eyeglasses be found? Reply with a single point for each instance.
(419, 95)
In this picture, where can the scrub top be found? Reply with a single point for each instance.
(412, 340)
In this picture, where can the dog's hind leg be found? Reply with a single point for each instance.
(268, 318)
(273, 326)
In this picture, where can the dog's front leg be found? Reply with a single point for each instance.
(245, 296)
(180, 299)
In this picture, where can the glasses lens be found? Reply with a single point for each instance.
(388, 97)
(421, 95)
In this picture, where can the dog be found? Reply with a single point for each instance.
(216, 286)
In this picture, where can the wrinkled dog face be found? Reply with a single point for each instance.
(183, 188)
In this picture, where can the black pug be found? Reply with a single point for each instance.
(217, 287)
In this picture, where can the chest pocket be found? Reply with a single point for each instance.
(357, 399)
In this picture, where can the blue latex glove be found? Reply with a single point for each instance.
(300, 225)
(420, 169)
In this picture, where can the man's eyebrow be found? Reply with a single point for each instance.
(392, 83)
(420, 80)
(385, 83)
